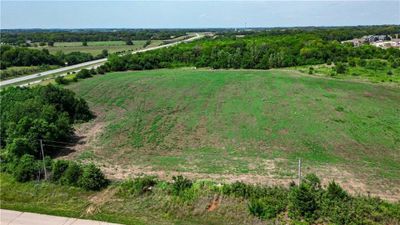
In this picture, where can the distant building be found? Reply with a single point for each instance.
(380, 41)
(375, 38)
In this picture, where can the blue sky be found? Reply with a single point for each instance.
(195, 14)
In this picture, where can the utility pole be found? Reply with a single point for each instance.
(299, 171)
(44, 163)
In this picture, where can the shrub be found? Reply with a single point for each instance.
(83, 74)
(27, 169)
(237, 189)
(302, 203)
(390, 73)
(311, 70)
(58, 169)
(93, 71)
(71, 175)
(335, 192)
(139, 185)
(339, 108)
(19, 147)
(313, 181)
(340, 68)
(92, 178)
(268, 207)
(180, 184)
(61, 80)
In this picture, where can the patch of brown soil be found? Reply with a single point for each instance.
(214, 203)
(347, 180)
(88, 135)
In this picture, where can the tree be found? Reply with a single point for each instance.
(84, 43)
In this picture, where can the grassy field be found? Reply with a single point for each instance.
(247, 125)
(96, 47)
(357, 73)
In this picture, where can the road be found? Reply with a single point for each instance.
(87, 64)
(10, 217)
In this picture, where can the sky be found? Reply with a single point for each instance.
(195, 14)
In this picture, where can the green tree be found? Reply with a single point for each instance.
(92, 178)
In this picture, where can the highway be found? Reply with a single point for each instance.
(85, 64)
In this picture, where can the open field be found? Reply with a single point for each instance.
(246, 125)
(96, 47)
(357, 73)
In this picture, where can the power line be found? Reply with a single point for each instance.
(57, 146)
(60, 142)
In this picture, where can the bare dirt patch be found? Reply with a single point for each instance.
(88, 134)
(347, 180)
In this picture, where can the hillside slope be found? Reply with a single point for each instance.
(243, 125)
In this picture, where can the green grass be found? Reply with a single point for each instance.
(357, 73)
(236, 122)
(96, 47)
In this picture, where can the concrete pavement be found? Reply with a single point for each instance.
(10, 217)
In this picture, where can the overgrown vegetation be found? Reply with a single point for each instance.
(30, 115)
(141, 198)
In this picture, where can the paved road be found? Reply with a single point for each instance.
(9, 217)
(87, 64)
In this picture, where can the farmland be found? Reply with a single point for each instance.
(96, 47)
(243, 124)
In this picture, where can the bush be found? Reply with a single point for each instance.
(302, 203)
(237, 189)
(83, 74)
(92, 178)
(313, 181)
(335, 192)
(268, 207)
(311, 70)
(19, 147)
(71, 175)
(58, 169)
(27, 169)
(139, 185)
(61, 80)
(340, 68)
(93, 71)
(180, 184)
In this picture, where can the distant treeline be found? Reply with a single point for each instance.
(18, 37)
(325, 33)
(21, 56)
(257, 51)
